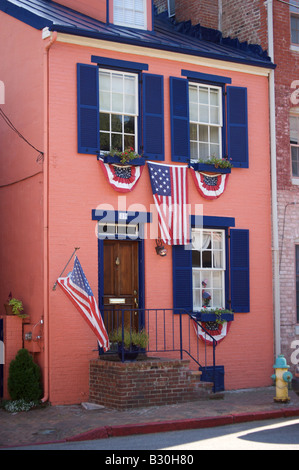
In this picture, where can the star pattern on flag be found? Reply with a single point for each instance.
(160, 177)
(78, 277)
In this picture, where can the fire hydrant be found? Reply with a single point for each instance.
(282, 379)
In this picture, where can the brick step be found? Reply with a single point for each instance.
(200, 390)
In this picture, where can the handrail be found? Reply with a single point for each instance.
(169, 330)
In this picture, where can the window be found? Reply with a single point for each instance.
(208, 118)
(131, 13)
(120, 106)
(214, 270)
(294, 140)
(118, 110)
(208, 268)
(205, 112)
(294, 10)
(297, 281)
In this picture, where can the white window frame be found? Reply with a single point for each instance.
(203, 273)
(111, 112)
(198, 122)
(119, 14)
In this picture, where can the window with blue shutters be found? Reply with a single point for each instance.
(214, 271)
(208, 119)
(120, 107)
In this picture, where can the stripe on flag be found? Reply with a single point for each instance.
(77, 288)
(170, 191)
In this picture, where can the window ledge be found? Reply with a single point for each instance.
(294, 47)
(295, 181)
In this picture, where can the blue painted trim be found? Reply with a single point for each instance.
(121, 216)
(212, 221)
(118, 64)
(204, 77)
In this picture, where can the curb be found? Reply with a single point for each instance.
(180, 425)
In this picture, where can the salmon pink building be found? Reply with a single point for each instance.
(181, 230)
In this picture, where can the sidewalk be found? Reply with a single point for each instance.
(74, 422)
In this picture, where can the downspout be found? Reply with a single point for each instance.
(53, 37)
(275, 243)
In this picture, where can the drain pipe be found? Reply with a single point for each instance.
(275, 247)
(46, 34)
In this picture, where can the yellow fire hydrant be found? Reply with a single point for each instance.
(282, 379)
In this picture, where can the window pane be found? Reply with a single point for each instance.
(117, 103)
(193, 151)
(104, 142)
(204, 113)
(116, 123)
(203, 133)
(104, 101)
(104, 122)
(193, 110)
(129, 124)
(129, 141)
(193, 131)
(214, 135)
(204, 151)
(214, 115)
(214, 97)
(116, 141)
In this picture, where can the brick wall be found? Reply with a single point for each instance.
(152, 382)
(204, 12)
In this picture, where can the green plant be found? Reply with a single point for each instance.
(17, 307)
(126, 156)
(24, 379)
(136, 338)
(217, 162)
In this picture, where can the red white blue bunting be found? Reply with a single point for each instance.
(210, 185)
(123, 178)
(217, 330)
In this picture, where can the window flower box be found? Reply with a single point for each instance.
(214, 316)
(211, 168)
(128, 157)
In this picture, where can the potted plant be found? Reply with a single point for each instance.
(126, 157)
(15, 307)
(131, 341)
(214, 165)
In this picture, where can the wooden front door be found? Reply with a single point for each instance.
(121, 283)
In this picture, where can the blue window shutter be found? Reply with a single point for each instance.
(179, 116)
(237, 126)
(239, 270)
(182, 278)
(153, 117)
(88, 109)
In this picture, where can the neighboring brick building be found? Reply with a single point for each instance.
(246, 20)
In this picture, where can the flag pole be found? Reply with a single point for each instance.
(55, 285)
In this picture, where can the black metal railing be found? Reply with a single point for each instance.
(169, 331)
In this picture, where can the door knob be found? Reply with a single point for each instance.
(136, 302)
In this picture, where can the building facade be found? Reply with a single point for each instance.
(98, 77)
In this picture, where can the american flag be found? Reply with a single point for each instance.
(77, 288)
(169, 185)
